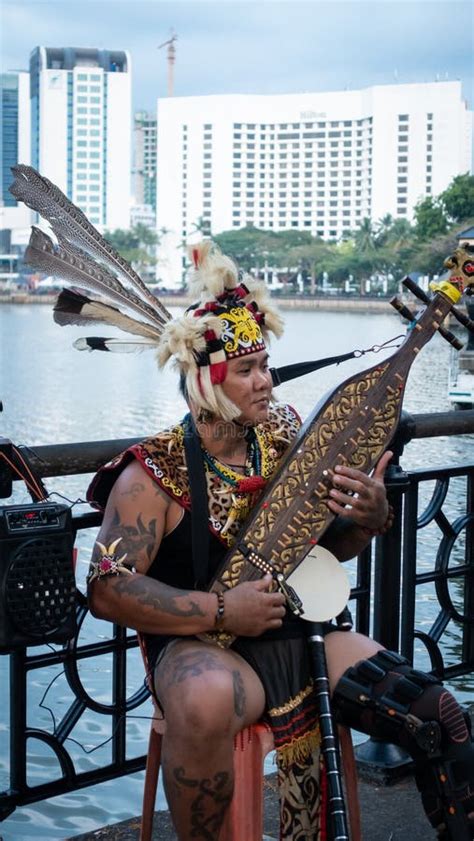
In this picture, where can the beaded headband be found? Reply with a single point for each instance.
(232, 318)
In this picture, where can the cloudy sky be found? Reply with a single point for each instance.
(255, 47)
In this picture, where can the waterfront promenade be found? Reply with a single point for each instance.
(330, 303)
(390, 813)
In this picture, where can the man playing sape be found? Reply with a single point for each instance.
(142, 576)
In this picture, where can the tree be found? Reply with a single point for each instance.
(382, 232)
(364, 237)
(246, 245)
(138, 246)
(311, 258)
(430, 219)
(429, 257)
(458, 198)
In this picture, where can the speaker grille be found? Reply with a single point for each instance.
(40, 587)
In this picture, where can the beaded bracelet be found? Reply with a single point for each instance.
(384, 528)
(219, 618)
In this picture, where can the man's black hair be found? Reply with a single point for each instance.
(183, 387)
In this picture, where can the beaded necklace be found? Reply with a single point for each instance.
(242, 486)
(252, 480)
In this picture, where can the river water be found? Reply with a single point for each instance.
(51, 393)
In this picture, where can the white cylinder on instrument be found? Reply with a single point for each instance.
(322, 585)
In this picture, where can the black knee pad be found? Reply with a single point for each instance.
(446, 786)
(378, 696)
(369, 698)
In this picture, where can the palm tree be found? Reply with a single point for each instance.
(364, 237)
(384, 226)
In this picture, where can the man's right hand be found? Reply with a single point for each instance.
(250, 609)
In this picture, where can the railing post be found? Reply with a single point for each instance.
(18, 720)
(376, 759)
(409, 571)
(468, 629)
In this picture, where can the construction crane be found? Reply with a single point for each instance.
(171, 56)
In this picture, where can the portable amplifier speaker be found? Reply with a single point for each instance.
(37, 584)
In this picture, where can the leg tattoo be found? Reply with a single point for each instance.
(208, 807)
(239, 694)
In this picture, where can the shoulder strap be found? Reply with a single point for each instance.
(199, 503)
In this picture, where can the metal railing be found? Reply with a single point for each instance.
(385, 595)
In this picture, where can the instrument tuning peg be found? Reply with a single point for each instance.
(405, 312)
(400, 307)
(460, 316)
(416, 290)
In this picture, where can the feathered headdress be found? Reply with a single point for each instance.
(232, 317)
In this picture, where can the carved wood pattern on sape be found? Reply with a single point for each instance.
(352, 426)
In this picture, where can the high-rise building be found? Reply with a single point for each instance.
(81, 128)
(14, 144)
(144, 163)
(319, 162)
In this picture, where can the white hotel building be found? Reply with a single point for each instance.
(81, 124)
(320, 162)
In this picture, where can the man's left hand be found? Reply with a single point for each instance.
(358, 496)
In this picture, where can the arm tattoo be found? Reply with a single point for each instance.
(136, 489)
(208, 808)
(135, 539)
(166, 601)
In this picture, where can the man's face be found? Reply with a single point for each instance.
(248, 384)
